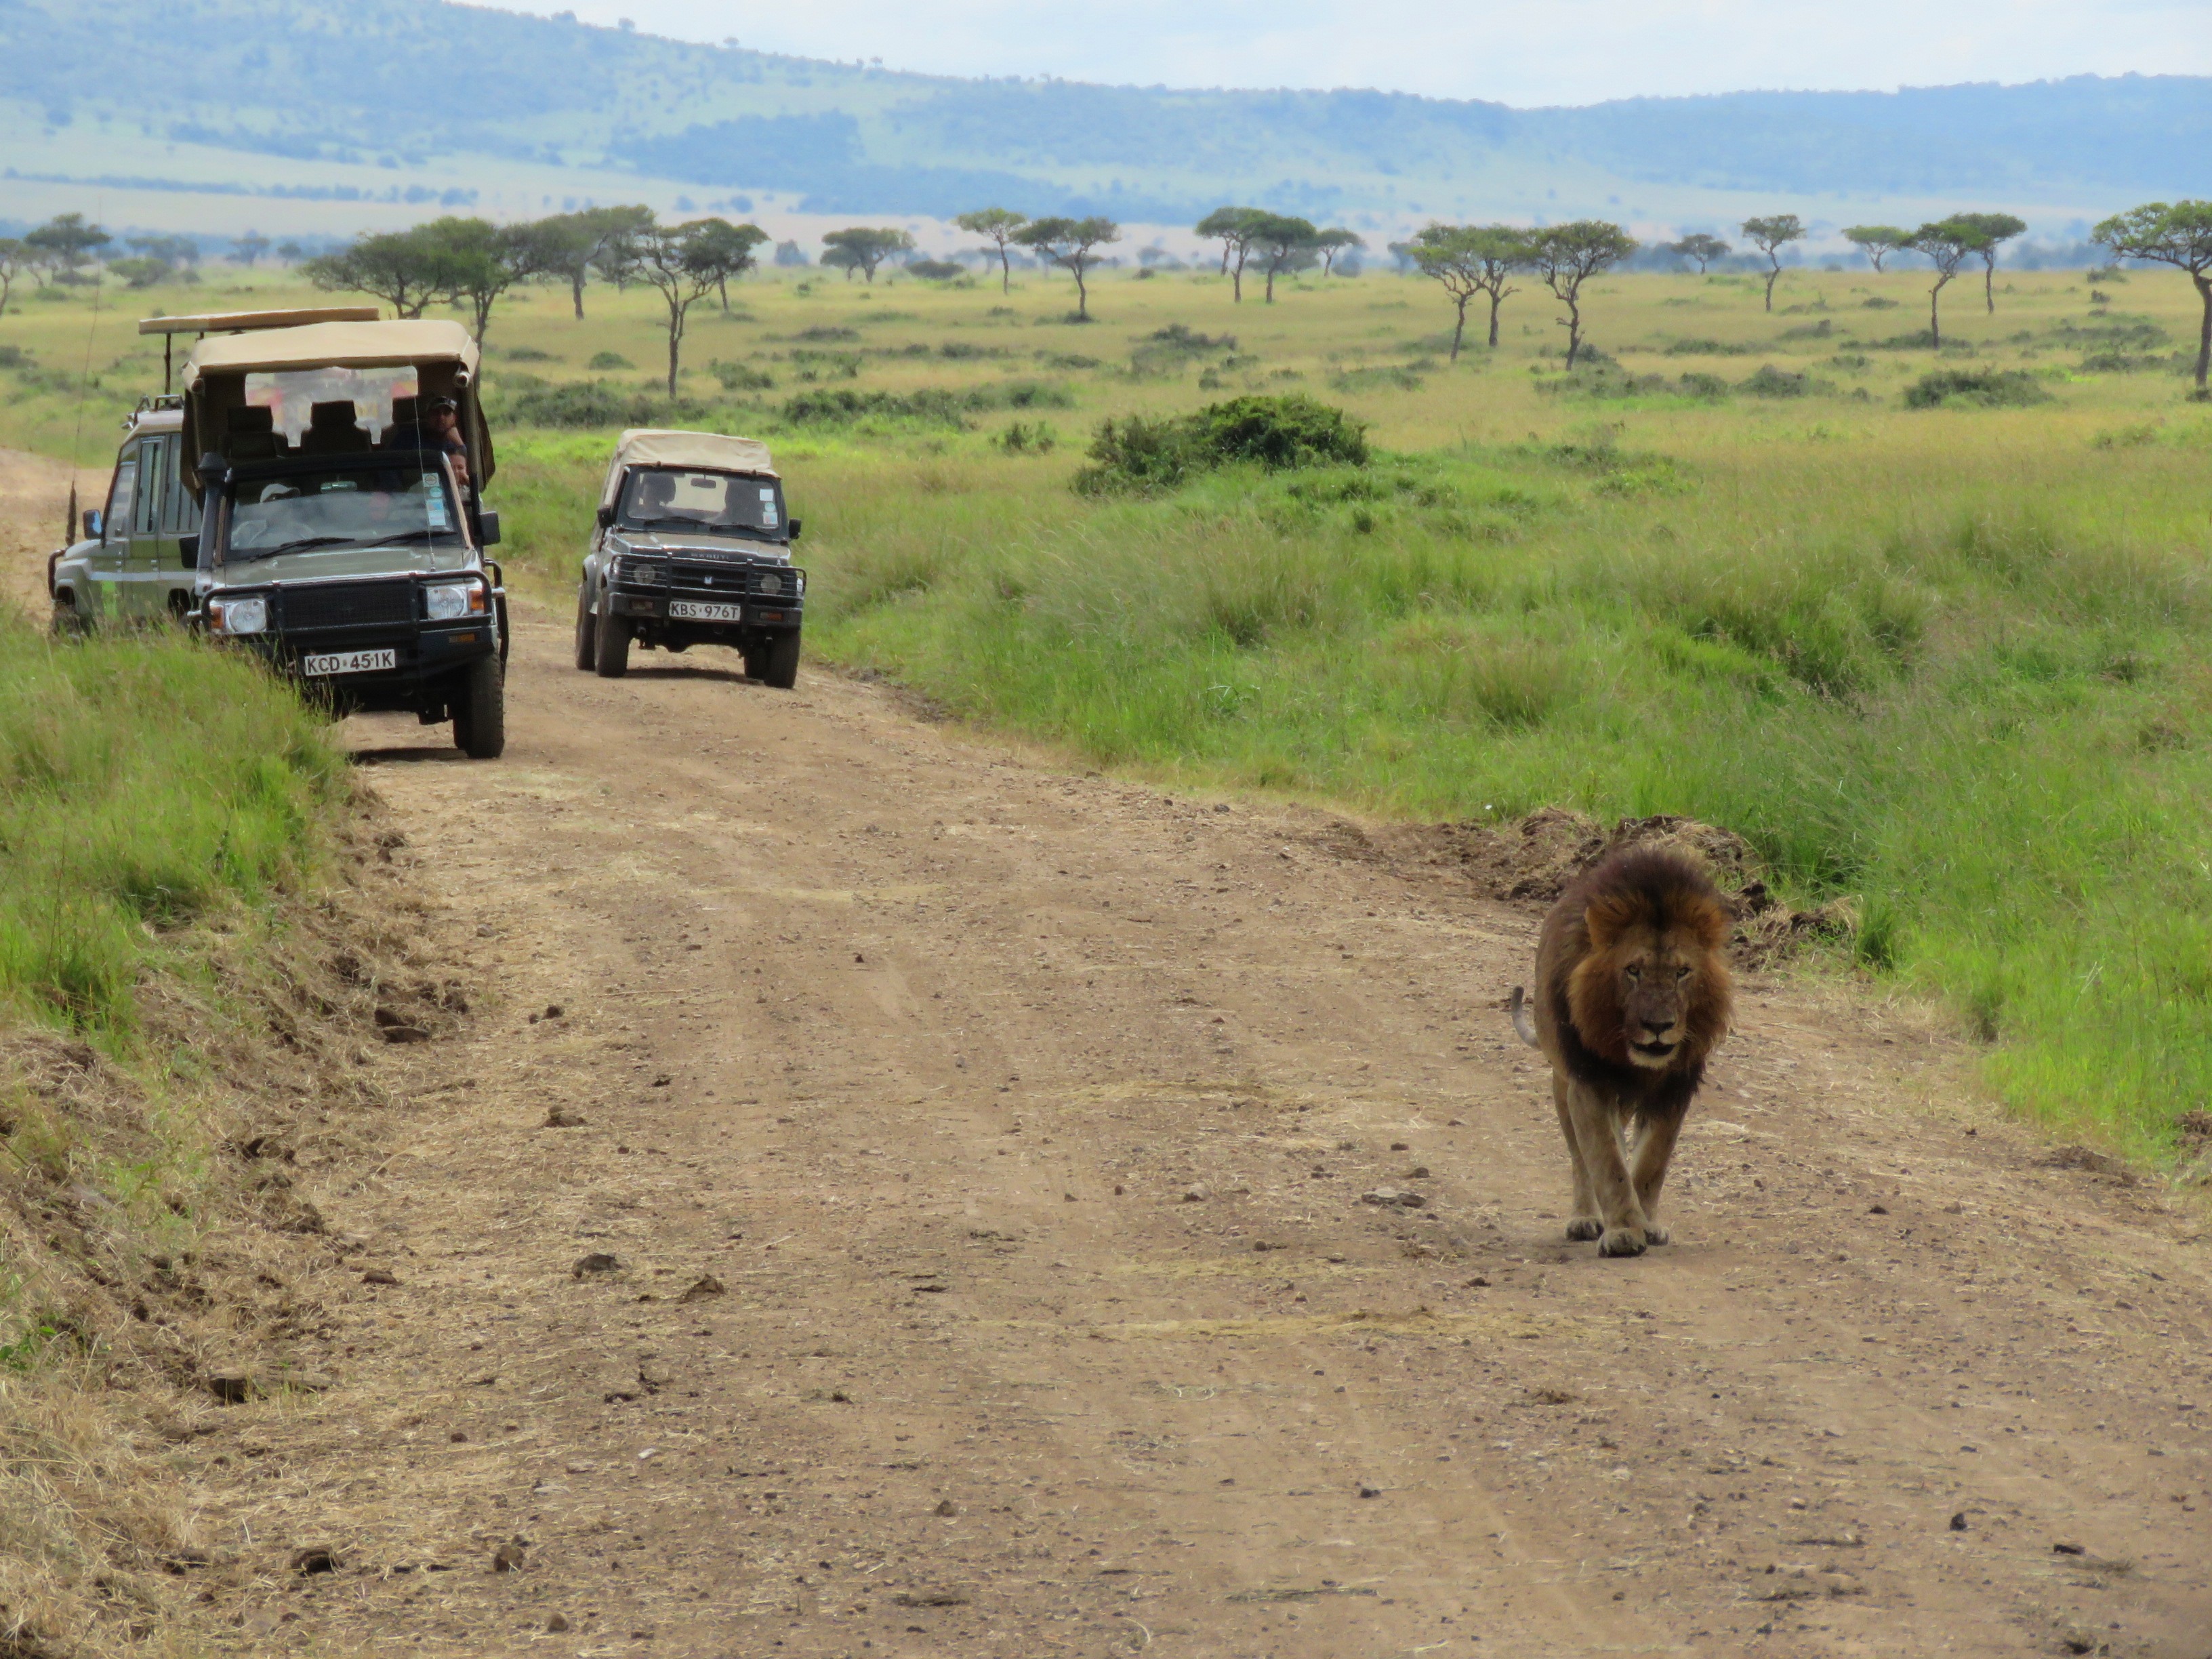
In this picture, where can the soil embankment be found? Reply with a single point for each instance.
(895, 1197)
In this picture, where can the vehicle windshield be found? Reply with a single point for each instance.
(704, 503)
(341, 506)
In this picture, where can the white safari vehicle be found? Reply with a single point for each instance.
(338, 538)
(693, 547)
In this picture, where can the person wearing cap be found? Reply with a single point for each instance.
(441, 430)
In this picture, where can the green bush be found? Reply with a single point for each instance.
(1977, 388)
(1768, 381)
(927, 406)
(608, 360)
(1273, 432)
(593, 403)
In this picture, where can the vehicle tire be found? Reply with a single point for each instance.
(779, 663)
(610, 645)
(756, 660)
(587, 642)
(480, 710)
(66, 624)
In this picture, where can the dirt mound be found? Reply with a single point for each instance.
(1531, 859)
(161, 1228)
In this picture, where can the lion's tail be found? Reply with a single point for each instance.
(1523, 1026)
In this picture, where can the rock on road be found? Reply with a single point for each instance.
(984, 1153)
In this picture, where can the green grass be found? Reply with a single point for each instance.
(143, 783)
(1946, 661)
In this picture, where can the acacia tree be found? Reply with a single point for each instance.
(1567, 255)
(1703, 248)
(572, 246)
(68, 242)
(1774, 234)
(14, 259)
(1236, 227)
(1468, 260)
(1283, 243)
(1947, 242)
(248, 248)
(476, 262)
(1334, 241)
(404, 269)
(867, 248)
(997, 225)
(2180, 236)
(1878, 242)
(683, 263)
(1073, 243)
(729, 248)
(1996, 229)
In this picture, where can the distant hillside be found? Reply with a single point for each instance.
(410, 88)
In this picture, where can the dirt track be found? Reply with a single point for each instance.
(1024, 1119)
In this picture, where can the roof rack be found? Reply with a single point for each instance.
(242, 322)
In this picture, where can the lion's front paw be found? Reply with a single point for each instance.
(1621, 1241)
(1584, 1228)
(1656, 1234)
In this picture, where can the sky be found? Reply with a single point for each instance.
(1537, 52)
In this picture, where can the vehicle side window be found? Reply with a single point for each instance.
(120, 494)
(178, 515)
(153, 487)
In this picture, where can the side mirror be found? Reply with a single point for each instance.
(488, 529)
(795, 530)
(188, 552)
(95, 525)
(606, 516)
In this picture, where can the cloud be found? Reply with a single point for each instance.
(1562, 52)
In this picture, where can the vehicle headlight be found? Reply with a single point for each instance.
(239, 615)
(451, 601)
(646, 575)
(798, 583)
(771, 583)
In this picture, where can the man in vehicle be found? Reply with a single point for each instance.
(441, 430)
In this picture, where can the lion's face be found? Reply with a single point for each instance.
(1653, 983)
(1653, 991)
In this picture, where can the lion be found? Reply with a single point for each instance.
(1632, 996)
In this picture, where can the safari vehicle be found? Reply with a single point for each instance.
(693, 547)
(130, 566)
(336, 539)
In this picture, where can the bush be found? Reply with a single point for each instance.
(608, 360)
(594, 403)
(935, 270)
(1977, 388)
(1771, 382)
(737, 377)
(1275, 432)
(1702, 348)
(930, 405)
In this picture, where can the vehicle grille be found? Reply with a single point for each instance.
(348, 605)
(775, 583)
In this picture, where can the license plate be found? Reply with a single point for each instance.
(704, 611)
(348, 662)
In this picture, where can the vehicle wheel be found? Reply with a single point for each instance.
(587, 644)
(779, 663)
(480, 711)
(66, 624)
(610, 645)
(756, 660)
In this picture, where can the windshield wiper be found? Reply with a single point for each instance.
(292, 546)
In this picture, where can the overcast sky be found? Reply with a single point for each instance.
(1539, 52)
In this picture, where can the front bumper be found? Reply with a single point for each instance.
(424, 658)
(652, 604)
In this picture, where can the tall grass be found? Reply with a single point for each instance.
(143, 782)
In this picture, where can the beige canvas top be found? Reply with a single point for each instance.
(332, 345)
(226, 322)
(650, 447)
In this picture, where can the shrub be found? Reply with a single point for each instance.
(608, 360)
(738, 377)
(1274, 432)
(594, 403)
(1768, 381)
(1703, 348)
(1977, 388)
(935, 270)
(528, 355)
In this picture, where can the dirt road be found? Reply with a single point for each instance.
(983, 1154)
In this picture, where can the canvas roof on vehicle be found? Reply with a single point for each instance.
(332, 345)
(653, 447)
(228, 322)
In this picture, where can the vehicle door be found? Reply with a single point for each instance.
(153, 569)
(106, 564)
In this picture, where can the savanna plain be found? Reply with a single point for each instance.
(1040, 1093)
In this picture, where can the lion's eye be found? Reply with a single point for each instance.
(1635, 972)
(1681, 974)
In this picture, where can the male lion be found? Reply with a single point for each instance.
(1632, 995)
